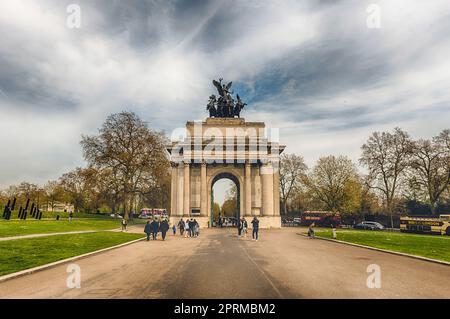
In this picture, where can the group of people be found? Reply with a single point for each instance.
(189, 228)
(153, 227)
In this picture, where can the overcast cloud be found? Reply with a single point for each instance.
(311, 68)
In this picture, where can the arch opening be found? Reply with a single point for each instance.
(225, 200)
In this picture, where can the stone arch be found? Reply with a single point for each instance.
(225, 172)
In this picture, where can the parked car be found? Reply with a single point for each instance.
(369, 226)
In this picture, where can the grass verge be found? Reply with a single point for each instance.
(430, 246)
(27, 227)
(20, 254)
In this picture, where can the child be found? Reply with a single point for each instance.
(174, 229)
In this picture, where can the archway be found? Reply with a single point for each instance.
(229, 201)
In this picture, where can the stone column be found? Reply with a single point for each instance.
(248, 189)
(186, 193)
(203, 191)
(173, 191)
(276, 190)
(180, 189)
(267, 190)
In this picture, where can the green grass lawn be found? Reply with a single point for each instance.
(27, 227)
(435, 247)
(20, 254)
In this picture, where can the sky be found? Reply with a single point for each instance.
(313, 69)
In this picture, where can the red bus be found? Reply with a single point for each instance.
(320, 218)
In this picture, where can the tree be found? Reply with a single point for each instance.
(430, 165)
(80, 185)
(128, 147)
(386, 156)
(334, 182)
(292, 169)
(53, 192)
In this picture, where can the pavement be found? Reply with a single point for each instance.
(218, 264)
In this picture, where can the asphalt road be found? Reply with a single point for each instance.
(218, 264)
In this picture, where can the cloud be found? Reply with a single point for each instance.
(311, 68)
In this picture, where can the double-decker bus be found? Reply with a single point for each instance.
(416, 224)
(151, 212)
(320, 218)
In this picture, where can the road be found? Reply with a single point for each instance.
(218, 264)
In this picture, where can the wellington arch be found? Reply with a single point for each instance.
(226, 146)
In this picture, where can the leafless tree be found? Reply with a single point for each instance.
(430, 165)
(292, 169)
(386, 156)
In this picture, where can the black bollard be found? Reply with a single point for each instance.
(6, 208)
(8, 214)
(13, 204)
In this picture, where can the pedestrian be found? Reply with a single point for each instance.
(333, 230)
(70, 216)
(164, 227)
(174, 229)
(186, 229)
(244, 227)
(181, 226)
(155, 228)
(148, 229)
(124, 224)
(239, 227)
(191, 227)
(196, 228)
(255, 226)
(311, 230)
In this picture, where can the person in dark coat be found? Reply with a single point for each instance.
(239, 227)
(255, 224)
(155, 228)
(164, 227)
(148, 230)
(181, 226)
(191, 227)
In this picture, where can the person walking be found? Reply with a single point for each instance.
(174, 229)
(70, 216)
(191, 227)
(196, 228)
(255, 230)
(155, 228)
(181, 226)
(148, 230)
(124, 224)
(164, 227)
(186, 229)
(239, 226)
(244, 227)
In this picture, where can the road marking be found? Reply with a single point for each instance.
(262, 272)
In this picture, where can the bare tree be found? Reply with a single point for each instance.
(386, 156)
(53, 192)
(128, 147)
(292, 169)
(430, 165)
(332, 182)
(80, 185)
